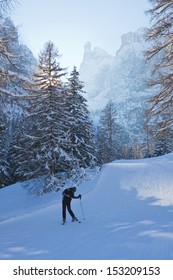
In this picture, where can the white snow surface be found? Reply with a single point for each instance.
(128, 208)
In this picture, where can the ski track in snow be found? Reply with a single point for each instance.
(129, 215)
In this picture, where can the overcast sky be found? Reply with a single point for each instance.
(69, 24)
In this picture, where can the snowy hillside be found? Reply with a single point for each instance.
(128, 207)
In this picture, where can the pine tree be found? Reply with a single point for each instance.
(8, 35)
(49, 73)
(148, 143)
(41, 145)
(163, 138)
(16, 63)
(107, 135)
(80, 131)
(3, 150)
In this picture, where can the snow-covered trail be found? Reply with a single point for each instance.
(125, 218)
(136, 224)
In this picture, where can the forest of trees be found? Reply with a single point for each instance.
(45, 127)
(111, 139)
(158, 120)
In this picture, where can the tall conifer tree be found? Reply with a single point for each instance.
(81, 129)
(107, 139)
(45, 124)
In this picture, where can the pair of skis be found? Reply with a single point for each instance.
(79, 222)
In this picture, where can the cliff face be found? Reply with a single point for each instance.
(121, 78)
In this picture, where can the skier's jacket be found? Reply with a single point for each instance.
(68, 194)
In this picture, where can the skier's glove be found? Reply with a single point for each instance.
(80, 196)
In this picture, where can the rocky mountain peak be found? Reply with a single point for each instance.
(121, 78)
(133, 37)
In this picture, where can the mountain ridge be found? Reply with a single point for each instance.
(121, 78)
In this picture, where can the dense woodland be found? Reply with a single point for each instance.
(45, 124)
(45, 127)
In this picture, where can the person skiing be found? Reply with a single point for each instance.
(68, 194)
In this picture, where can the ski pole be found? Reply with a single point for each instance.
(82, 209)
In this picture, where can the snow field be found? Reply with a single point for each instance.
(128, 210)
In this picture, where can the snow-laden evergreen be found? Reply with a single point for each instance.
(44, 130)
(109, 135)
(56, 131)
(3, 150)
(16, 60)
(48, 127)
(81, 128)
(128, 211)
(16, 63)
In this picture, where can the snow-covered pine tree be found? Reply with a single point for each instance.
(148, 143)
(163, 142)
(163, 137)
(8, 35)
(16, 63)
(15, 60)
(80, 132)
(3, 150)
(41, 147)
(8, 74)
(15, 151)
(49, 73)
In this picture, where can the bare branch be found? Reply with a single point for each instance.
(161, 37)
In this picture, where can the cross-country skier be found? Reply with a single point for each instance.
(68, 194)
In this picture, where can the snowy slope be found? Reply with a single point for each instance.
(128, 207)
